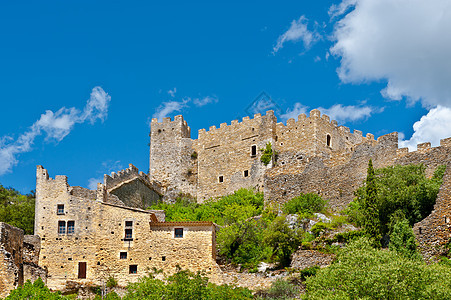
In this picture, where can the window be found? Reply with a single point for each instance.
(60, 209)
(123, 255)
(254, 150)
(221, 178)
(70, 227)
(163, 258)
(246, 173)
(178, 232)
(61, 227)
(133, 269)
(128, 230)
(328, 140)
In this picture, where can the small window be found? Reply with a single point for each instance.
(70, 227)
(328, 140)
(221, 178)
(123, 255)
(61, 227)
(128, 234)
(133, 269)
(246, 173)
(60, 209)
(163, 258)
(128, 223)
(419, 230)
(178, 232)
(254, 150)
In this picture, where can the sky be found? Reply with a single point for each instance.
(81, 80)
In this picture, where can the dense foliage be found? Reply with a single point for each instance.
(249, 234)
(183, 285)
(393, 194)
(363, 272)
(36, 290)
(239, 206)
(17, 209)
(305, 205)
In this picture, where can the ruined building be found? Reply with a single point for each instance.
(87, 236)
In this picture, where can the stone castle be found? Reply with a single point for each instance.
(85, 236)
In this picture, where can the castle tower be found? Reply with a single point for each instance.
(172, 158)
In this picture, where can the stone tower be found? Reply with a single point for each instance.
(173, 162)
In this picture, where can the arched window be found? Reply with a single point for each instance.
(328, 140)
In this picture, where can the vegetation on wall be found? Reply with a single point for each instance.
(267, 154)
(17, 209)
(393, 194)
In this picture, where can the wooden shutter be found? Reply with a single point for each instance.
(82, 270)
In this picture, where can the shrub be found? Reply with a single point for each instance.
(267, 154)
(402, 240)
(111, 282)
(305, 205)
(363, 272)
(280, 289)
(35, 290)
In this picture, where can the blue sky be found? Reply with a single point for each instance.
(80, 80)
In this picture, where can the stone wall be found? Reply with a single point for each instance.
(11, 262)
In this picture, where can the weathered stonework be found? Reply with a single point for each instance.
(85, 238)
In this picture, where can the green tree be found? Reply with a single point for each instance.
(305, 205)
(371, 207)
(402, 240)
(283, 240)
(17, 209)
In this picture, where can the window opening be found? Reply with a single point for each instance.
(254, 150)
(123, 255)
(60, 209)
(61, 227)
(178, 232)
(133, 269)
(221, 178)
(70, 227)
(246, 173)
(328, 140)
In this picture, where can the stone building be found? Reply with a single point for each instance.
(89, 236)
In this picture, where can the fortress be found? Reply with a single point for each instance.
(87, 236)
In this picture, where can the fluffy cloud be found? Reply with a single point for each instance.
(204, 101)
(169, 107)
(339, 112)
(107, 167)
(405, 42)
(298, 31)
(430, 128)
(55, 125)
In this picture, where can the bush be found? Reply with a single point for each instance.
(363, 272)
(36, 290)
(111, 282)
(183, 285)
(402, 240)
(280, 289)
(305, 205)
(17, 209)
(267, 154)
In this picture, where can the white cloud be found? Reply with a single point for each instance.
(349, 113)
(169, 107)
(298, 31)
(337, 112)
(107, 167)
(294, 112)
(172, 92)
(205, 101)
(405, 42)
(56, 125)
(430, 128)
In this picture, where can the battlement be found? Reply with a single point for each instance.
(234, 124)
(177, 126)
(114, 179)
